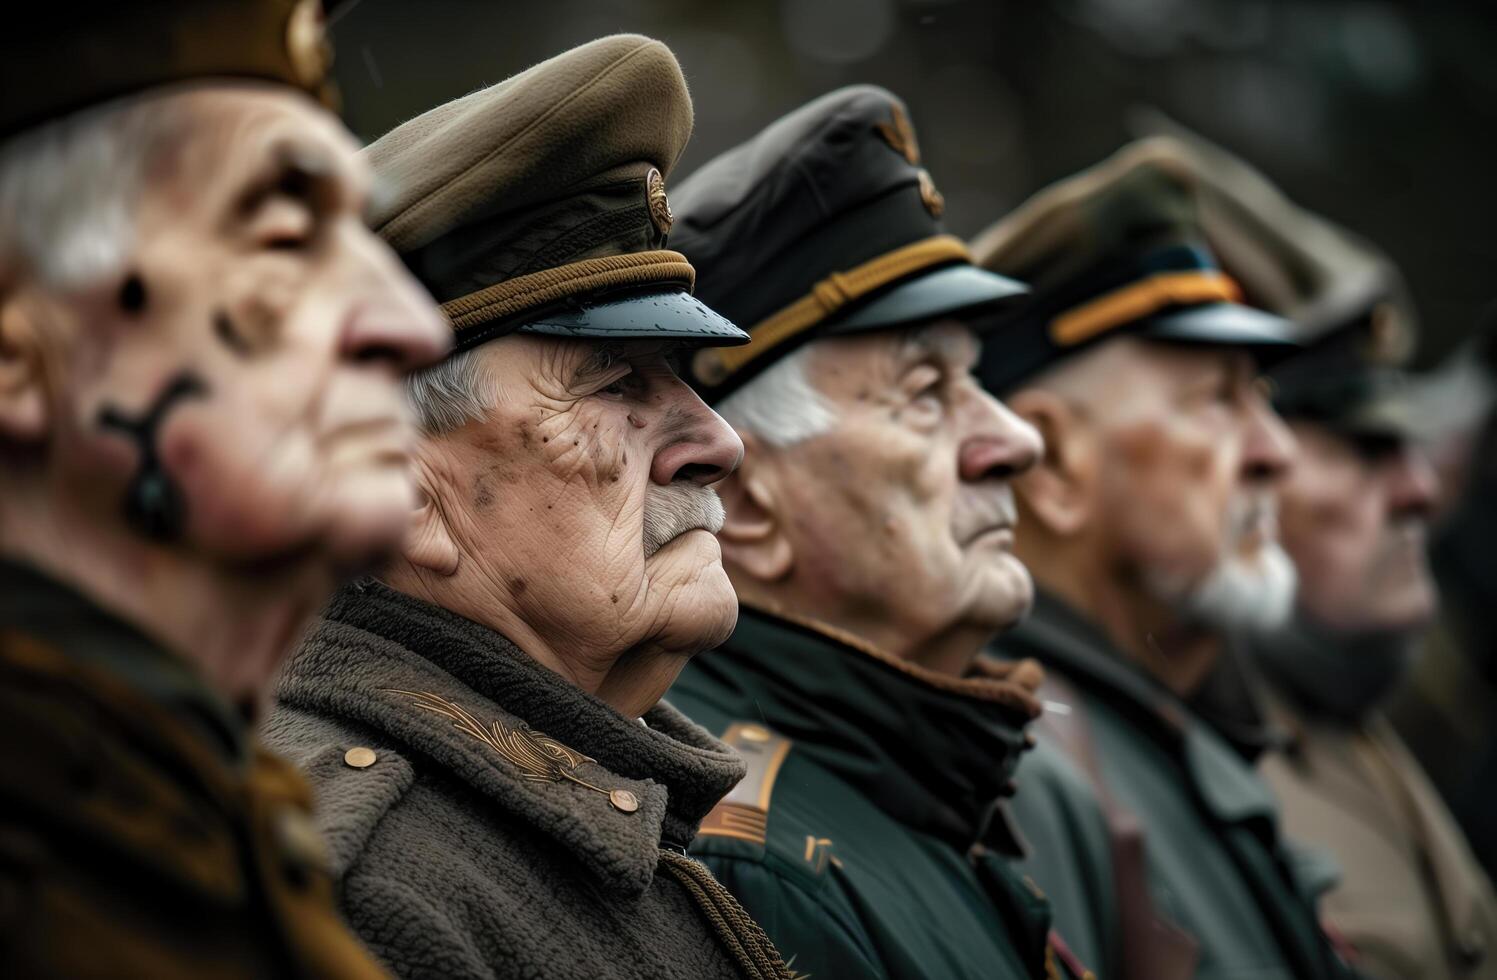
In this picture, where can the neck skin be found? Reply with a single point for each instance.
(1177, 653)
(234, 626)
(631, 680)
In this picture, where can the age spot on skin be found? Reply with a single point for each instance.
(229, 334)
(133, 294)
(518, 586)
(154, 504)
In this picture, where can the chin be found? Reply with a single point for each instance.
(1007, 592)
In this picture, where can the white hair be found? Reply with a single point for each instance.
(449, 395)
(781, 406)
(69, 189)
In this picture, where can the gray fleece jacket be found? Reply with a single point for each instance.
(462, 849)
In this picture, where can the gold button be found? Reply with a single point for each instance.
(623, 801)
(754, 733)
(360, 757)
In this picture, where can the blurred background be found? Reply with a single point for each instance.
(1379, 115)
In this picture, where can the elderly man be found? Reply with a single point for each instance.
(201, 432)
(1412, 901)
(868, 534)
(503, 793)
(1150, 528)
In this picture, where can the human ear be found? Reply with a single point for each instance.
(752, 535)
(23, 397)
(1056, 491)
(428, 542)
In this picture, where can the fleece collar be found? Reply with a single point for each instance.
(414, 671)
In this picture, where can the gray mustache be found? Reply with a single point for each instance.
(674, 509)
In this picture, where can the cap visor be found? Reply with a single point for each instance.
(671, 315)
(954, 289)
(1224, 324)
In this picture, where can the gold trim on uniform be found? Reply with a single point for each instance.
(660, 206)
(540, 758)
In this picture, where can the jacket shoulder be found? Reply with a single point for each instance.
(356, 775)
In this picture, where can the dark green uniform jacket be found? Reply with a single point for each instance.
(141, 834)
(489, 819)
(1229, 898)
(863, 838)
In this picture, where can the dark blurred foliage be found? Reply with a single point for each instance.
(1379, 115)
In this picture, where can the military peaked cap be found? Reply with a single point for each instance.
(1117, 249)
(539, 204)
(63, 57)
(825, 223)
(1349, 304)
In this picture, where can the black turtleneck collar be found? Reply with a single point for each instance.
(934, 752)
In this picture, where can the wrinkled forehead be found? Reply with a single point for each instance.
(239, 134)
(890, 352)
(566, 359)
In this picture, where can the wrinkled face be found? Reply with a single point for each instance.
(901, 517)
(235, 388)
(584, 499)
(1353, 513)
(1188, 456)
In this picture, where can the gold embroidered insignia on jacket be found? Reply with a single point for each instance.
(540, 758)
(899, 134)
(660, 205)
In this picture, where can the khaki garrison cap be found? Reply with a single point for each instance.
(1116, 249)
(1349, 304)
(58, 58)
(825, 223)
(539, 204)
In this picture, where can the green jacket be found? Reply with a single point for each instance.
(1225, 896)
(863, 839)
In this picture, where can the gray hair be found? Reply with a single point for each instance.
(781, 406)
(69, 189)
(451, 394)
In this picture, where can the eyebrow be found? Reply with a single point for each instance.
(300, 170)
(925, 342)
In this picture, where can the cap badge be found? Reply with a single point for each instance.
(1389, 341)
(307, 44)
(540, 758)
(899, 134)
(660, 205)
(934, 202)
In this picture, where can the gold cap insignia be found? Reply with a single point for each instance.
(899, 134)
(933, 200)
(540, 758)
(307, 44)
(1389, 341)
(660, 205)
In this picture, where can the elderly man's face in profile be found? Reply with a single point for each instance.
(898, 522)
(1354, 512)
(582, 501)
(235, 383)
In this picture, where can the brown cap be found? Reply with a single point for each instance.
(67, 57)
(539, 204)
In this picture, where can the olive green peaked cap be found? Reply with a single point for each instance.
(1350, 306)
(539, 204)
(1116, 249)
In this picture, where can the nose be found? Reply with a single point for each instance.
(395, 321)
(701, 447)
(1001, 446)
(1412, 483)
(1268, 445)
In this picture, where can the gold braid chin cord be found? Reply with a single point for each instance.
(742, 936)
